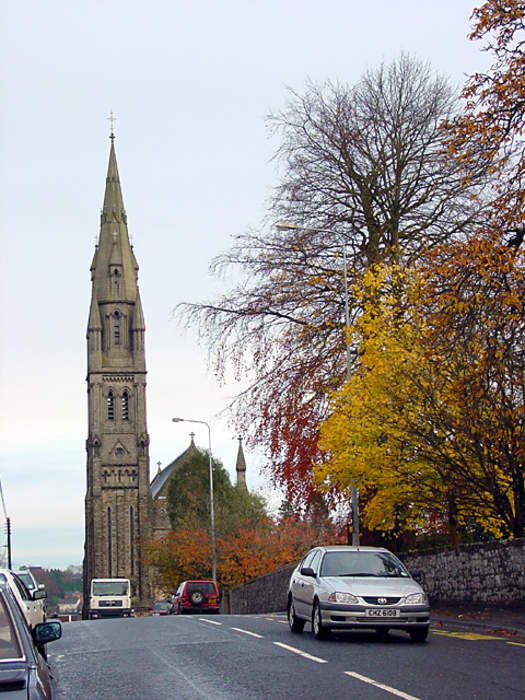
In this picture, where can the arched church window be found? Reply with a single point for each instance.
(111, 406)
(125, 406)
(116, 328)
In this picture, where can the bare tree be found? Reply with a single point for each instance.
(364, 170)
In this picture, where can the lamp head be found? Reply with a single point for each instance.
(178, 420)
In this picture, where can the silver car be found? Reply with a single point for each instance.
(342, 588)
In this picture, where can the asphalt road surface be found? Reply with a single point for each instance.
(256, 657)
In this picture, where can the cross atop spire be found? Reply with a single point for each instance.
(112, 119)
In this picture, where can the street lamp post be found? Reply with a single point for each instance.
(354, 494)
(212, 511)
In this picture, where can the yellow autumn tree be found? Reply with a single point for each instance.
(431, 425)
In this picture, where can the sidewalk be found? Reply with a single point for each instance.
(504, 621)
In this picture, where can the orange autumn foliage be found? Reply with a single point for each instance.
(242, 556)
(489, 134)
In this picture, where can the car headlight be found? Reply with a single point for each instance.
(416, 599)
(338, 597)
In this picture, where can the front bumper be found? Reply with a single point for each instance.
(351, 616)
(95, 613)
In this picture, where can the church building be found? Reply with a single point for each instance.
(121, 506)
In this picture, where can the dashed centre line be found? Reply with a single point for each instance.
(252, 634)
(301, 653)
(388, 688)
(210, 622)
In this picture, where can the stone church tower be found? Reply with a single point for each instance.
(118, 504)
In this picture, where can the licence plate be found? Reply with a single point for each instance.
(213, 601)
(382, 612)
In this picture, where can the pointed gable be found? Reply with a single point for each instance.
(163, 476)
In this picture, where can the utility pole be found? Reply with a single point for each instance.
(8, 522)
(8, 543)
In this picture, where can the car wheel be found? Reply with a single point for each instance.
(296, 625)
(319, 631)
(197, 597)
(418, 635)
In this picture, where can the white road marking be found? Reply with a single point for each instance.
(211, 622)
(388, 688)
(252, 634)
(301, 653)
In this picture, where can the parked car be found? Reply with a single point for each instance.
(24, 673)
(196, 596)
(161, 607)
(343, 588)
(30, 603)
(30, 581)
(26, 576)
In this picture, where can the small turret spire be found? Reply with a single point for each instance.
(240, 467)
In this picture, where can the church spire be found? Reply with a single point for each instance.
(113, 208)
(114, 268)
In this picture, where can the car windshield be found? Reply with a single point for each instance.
(362, 563)
(26, 578)
(110, 588)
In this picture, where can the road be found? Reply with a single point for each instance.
(236, 657)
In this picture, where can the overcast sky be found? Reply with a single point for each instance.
(190, 85)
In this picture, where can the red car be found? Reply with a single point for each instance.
(161, 607)
(196, 596)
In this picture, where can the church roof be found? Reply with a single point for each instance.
(162, 477)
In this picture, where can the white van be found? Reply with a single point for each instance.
(109, 597)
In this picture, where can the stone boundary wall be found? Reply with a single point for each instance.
(264, 594)
(489, 573)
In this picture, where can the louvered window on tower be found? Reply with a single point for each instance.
(125, 406)
(116, 328)
(111, 406)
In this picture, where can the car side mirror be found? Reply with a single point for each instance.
(46, 632)
(308, 571)
(416, 574)
(39, 594)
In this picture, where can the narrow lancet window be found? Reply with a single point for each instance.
(116, 328)
(111, 406)
(132, 539)
(125, 406)
(110, 545)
